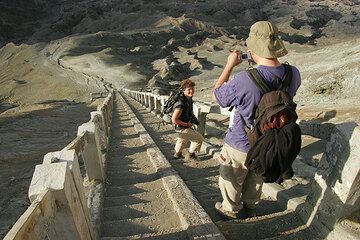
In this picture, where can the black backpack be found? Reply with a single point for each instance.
(168, 107)
(275, 137)
(276, 107)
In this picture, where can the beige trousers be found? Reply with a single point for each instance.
(237, 184)
(186, 135)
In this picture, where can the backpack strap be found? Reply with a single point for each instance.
(288, 77)
(264, 87)
(258, 80)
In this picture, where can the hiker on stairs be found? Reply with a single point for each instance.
(240, 187)
(184, 119)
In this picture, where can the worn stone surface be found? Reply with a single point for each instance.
(57, 178)
(193, 217)
(70, 157)
(91, 154)
(135, 203)
(49, 176)
(334, 167)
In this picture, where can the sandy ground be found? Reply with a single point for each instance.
(56, 54)
(24, 140)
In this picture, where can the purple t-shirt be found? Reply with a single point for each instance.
(242, 93)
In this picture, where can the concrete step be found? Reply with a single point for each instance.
(201, 176)
(173, 234)
(123, 200)
(125, 195)
(133, 178)
(303, 170)
(142, 225)
(190, 211)
(271, 225)
(125, 190)
(118, 167)
(290, 198)
(135, 201)
(137, 210)
(301, 233)
(212, 180)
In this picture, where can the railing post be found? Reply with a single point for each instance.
(202, 120)
(162, 101)
(70, 157)
(102, 140)
(142, 98)
(157, 105)
(69, 219)
(201, 116)
(146, 100)
(91, 154)
(150, 102)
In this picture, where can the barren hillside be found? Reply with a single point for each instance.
(53, 54)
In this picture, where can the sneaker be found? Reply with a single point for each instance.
(226, 215)
(190, 156)
(178, 155)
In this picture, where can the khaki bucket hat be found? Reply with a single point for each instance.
(264, 40)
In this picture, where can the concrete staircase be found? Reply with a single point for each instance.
(275, 220)
(136, 205)
(150, 195)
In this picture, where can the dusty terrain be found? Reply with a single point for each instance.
(53, 54)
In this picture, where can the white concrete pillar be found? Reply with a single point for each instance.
(201, 116)
(102, 139)
(70, 157)
(146, 100)
(157, 105)
(150, 102)
(336, 186)
(91, 152)
(69, 221)
(162, 101)
(105, 121)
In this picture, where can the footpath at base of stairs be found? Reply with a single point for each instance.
(275, 220)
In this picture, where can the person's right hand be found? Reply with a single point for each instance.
(189, 124)
(234, 59)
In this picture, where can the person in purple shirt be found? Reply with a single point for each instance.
(240, 188)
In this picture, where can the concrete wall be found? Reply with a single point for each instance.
(336, 186)
(59, 206)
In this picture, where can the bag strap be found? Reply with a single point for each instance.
(258, 80)
(264, 87)
(288, 77)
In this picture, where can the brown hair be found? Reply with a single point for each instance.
(186, 83)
